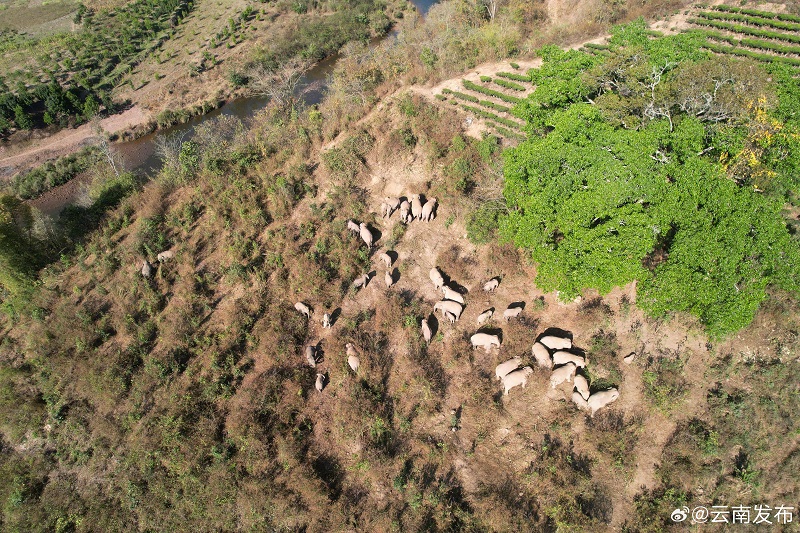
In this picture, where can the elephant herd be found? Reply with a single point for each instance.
(550, 352)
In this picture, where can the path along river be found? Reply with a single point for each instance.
(139, 155)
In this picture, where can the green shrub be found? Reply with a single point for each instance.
(514, 76)
(482, 223)
(509, 85)
(486, 79)
(489, 92)
(496, 107)
(492, 116)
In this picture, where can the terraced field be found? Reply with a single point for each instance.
(760, 35)
(490, 99)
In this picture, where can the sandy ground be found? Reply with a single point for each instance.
(20, 157)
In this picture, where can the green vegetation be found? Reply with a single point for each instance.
(514, 76)
(81, 69)
(496, 107)
(747, 30)
(54, 173)
(751, 43)
(509, 85)
(181, 402)
(490, 92)
(753, 21)
(743, 52)
(757, 13)
(491, 116)
(461, 96)
(689, 222)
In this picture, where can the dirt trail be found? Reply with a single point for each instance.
(20, 157)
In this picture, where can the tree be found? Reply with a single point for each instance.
(279, 84)
(90, 107)
(18, 261)
(22, 119)
(490, 6)
(600, 206)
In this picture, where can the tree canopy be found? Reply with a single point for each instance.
(657, 164)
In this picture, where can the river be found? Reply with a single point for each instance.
(139, 155)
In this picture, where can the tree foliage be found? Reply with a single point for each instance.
(660, 166)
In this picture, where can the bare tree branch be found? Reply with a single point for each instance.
(279, 84)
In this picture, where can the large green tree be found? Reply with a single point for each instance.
(645, 165)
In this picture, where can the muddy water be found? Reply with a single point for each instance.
(139, 155)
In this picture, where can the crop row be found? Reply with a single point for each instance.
(757, 13)
(743, 52)
(747, 19)
(462, 96)
(514, 76)
(750, 43)
(475, 100)
(492, 116)
(514, 86)
(746, 30)
(496, 107)
(505, 132)
(596, 46)
(489, 92)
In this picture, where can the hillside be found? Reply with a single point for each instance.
(184, 400)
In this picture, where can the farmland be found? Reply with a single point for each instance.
(163, 57)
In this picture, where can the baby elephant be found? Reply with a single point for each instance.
(311, 355)
(303, 308)
(517, 377)
(491, 285)
(326, 321)
(561, 358)
(386, 258)
(366, 234)
(542, 356)
(436, 277)
(147, 269)
(556, 343)
(426, 331)
(361, 281)
(450, 294)
(320, 384)
(485, 316)
(166, 255)
(429, 210)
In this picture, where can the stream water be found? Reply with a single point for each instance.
(139, 155)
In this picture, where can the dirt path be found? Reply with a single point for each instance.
(20, 157)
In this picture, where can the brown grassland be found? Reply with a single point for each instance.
(184, 402)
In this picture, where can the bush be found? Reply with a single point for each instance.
(54, 173)
(514, 76)
(482, 223)
(492, 116)
(489, 92)
(496, 107)
(238, 79)
(509, 85)
(486, 79)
